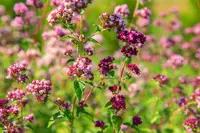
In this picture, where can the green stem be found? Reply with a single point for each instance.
(73, 112)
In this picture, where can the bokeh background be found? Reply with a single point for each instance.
(189, 15)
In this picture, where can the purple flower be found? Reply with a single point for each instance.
(134, 68)
(129, 51)
(113, 22)
(40, 88)
(136, 120)
(30, 118)
(132, 37)
(59, 13)
(114, 88)
(105, 65)
(15, 95)
(175, 61)
(191, 124)
(62, 104)
(77, 5)
(118, 102)
(122, 10)
(99, 123)
(36, 3)
(81, 68)
(20, 8)
(3, 102)
(162, 79)
(196, 96)
(144, 12)
(15, 70)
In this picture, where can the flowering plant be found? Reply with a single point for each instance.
(60, 67)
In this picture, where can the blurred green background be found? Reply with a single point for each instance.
(189, 13)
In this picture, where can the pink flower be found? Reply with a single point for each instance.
(20, 8)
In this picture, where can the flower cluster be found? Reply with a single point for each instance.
(136, 120)
(129, 51)
(77, 5)
(15, 70)
(58, 13)
(113, 22)
(175, 61)
(191, 124)
(15, 95)
(20, 8)
(118, 102)
(66, 10)
(122, 10)
(105, 65)
(162, 79)
(62, 104)
(99, 123)
(40, 88)
(81, 68)
(34, 3)
(196, 96)
(30, 118)
(132, 37)
(143, 17)
(134, 68)
(114, 88)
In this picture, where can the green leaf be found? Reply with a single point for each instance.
(116, 121)
(156, 117)
(112, 73)
(82, 12)
(25, 43)
(70, 60)
(108, 104)
(127, 124)
(98, 27)
(94, 41)
(68, 114)
(81, 111)
(69, 37)
(79, 87)
(55, 118)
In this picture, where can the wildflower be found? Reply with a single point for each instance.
(144, 12)
(15, 70)
(35, 3)
(82, 103)
(129, 51)
(40, 88)
(118, 102)
(196, 96)
(136, 120)
(20, 8)
(122, 10)
(60, 12)
(134, 68)
(62, 104)
(113, 22)
(77, 5)
(89, 50)
(175, 61)
(105, 65)
(15, 95)
(132, 37)
(191, 124)
(99, 123)
(30, 118)
(162, 79)
(114, 88)
(81, 67)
